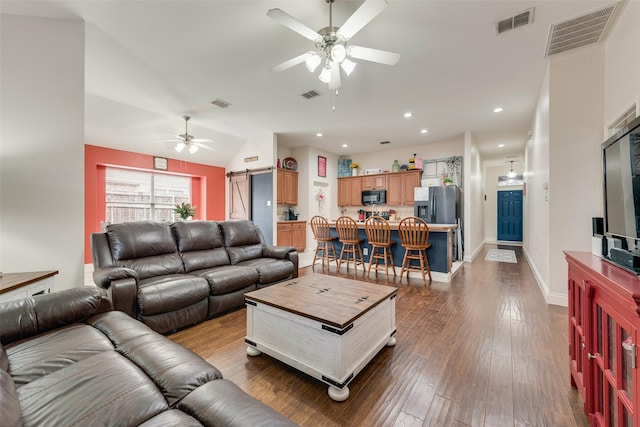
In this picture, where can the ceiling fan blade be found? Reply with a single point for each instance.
(373, 55)
(361, 17)
(200, 140)
(335, 76)
(293, 24)
(288, 64)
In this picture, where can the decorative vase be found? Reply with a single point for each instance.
(396, 166)
(354, 172)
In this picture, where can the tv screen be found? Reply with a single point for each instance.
(621, 163)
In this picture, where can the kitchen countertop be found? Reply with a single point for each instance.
(394, 226)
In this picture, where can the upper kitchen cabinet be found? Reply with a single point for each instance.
(350, 191)
(374, 182)
(287, 192)
(400, 187)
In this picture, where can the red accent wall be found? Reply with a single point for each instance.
(207, 185)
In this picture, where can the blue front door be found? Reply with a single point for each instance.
(510, 215)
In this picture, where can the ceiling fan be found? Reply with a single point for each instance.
(332, 43)
(189, 141)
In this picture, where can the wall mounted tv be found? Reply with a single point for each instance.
(621, 167)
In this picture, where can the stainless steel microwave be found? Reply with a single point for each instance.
(374, 197)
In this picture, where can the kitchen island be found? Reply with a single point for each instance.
(440, 254)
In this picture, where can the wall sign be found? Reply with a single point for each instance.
(322, 166)
(161, 163)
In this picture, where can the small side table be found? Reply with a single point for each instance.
(15, 286)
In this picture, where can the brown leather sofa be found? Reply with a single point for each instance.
(171, 276)
(66, 360)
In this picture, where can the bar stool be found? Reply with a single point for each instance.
(348, 236)
(414, 236)
(325, 250)
(379, 236)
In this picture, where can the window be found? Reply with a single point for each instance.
(143, 196)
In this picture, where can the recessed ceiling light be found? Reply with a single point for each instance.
(500, 145)
(319, 134)
(407, 115)
(498, 110)
(345, 145)
(424, 131)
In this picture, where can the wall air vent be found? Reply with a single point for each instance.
(583, 30)
(220, 103)
(516, 21)
(311, 94)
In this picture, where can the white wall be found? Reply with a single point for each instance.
(536, 203)
(473, 210)
(622, 64)
(42, 150)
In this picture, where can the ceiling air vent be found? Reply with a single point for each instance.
(311, 94)
(516, 21)
(220, 103)
(580, 31)
(385, 142)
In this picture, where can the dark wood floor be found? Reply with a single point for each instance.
(483, 350)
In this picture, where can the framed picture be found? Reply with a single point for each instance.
(160, 163)
(322, 166)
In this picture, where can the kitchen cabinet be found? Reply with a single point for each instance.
(603, 312)
(374, 182)
(287, 191)
(350, 191)
(292, 233)
(400, 187)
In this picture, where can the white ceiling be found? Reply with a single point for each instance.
(148, 63)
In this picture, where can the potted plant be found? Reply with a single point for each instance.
(354, 168)
(447, 181)
(184, 210)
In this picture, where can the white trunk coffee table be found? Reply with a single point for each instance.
(325, 326)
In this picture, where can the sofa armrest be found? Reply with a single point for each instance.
(283, 252)
(10, 412)
(103, 277)
(222, 403)
(123, 295)
(279, 252)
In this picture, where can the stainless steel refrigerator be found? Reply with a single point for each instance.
(442, 205)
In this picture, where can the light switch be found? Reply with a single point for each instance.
(268, 202)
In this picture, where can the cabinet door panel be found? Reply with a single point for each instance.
(355, 191)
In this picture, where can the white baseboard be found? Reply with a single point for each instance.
(552, 298)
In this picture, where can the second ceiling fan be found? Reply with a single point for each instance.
(331, 43)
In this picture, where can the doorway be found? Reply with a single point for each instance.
(261, 204)
(510, 215)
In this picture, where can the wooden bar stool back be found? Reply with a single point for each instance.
(379, 236)
(351, 243)
(325, 250)
(414, 236)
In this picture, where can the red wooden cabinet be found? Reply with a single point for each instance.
(604, 307)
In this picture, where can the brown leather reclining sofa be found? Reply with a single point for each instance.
(66, 360)
(174, 275)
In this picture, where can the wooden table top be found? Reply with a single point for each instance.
(332, 300)
(11, 281)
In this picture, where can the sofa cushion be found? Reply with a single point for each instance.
(104, 389)
(201, 244)
(44, 354)
(10, 412)
(228, 278)
(242, 239)
(178, 372)
(146, 247)
(163, 294)
(270, 270)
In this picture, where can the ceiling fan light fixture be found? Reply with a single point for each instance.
(325, 74)
(338, 52)
(348, 66)
(180, 146)
(193, 148)
(312, 60)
